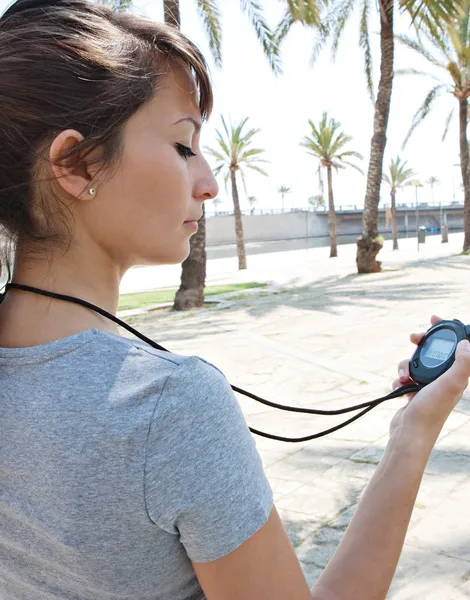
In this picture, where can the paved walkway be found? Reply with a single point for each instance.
(327, 337)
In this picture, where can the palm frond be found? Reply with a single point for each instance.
(256, 168)
(450, 116)
(283, 28)
(419, 48)
(349, 164)
(218, 168)
(415, 73)
(227, 178)
(265, 36)
(223, 145)
(424, 110)
(253, 152)
(432, 13)
(323, 33)
(353, 153)
(341, 16)
(215, 154)
(210, 14)
(306, 12)
(364, 43)
(242, 174)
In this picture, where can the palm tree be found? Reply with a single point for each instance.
(332, 25)
(216, 202)
(117, 5)
(283, 190)
(252, 200)
(316, 201)
(234, 153)
(448, 50)
(193, 274)
(398, 176)
(433, 181)
(326, 142)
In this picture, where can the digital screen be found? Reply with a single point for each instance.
(439, 349)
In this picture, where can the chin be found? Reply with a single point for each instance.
(175, 258)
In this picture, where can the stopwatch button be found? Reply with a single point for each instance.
(415, 364)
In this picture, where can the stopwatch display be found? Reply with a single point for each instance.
(436, 351)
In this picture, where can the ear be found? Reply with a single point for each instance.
(74, 178)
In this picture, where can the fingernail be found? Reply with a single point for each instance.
(401, 372)
(466, 346)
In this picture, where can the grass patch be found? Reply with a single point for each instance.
(143, 299)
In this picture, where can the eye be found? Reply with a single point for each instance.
(184, 151)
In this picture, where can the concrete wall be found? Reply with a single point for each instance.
(286, 226)
(297, 224)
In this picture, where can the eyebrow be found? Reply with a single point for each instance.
(197, 124)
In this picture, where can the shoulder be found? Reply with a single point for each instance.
(125, 347)
(188, 379)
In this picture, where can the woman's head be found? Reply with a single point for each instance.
(91, 99)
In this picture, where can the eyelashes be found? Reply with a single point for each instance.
(184, 151)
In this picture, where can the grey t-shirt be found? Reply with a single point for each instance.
(119, 464)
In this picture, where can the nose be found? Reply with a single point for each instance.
(206, 186)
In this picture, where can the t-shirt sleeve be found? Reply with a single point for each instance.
(204, 479)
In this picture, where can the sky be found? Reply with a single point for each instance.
(281, 107)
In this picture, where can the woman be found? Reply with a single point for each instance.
(126, 472)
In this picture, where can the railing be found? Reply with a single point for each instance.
(339, 209)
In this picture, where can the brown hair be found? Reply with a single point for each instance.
(73, 64)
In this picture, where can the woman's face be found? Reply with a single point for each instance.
(145, 213)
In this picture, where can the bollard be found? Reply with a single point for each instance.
(421, 235)
(445, 234)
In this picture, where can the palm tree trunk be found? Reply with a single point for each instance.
(193, 276)
(193, 273)
(465, 165)
(368, 245)
(171, 11)
(331, 215)
(394, 220)
(238, 223)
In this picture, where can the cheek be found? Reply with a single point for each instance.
(141, 209)
(156, 183)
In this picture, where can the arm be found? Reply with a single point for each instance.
(265, 566)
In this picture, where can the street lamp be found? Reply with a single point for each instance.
(416, 183)
(453, 180)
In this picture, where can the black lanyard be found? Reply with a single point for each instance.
(366, 406)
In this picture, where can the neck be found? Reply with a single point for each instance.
(30, 319)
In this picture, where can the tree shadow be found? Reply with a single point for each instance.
(330, 295)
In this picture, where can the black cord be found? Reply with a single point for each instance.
(407, 389)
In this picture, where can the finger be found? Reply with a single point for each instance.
(404, 371)
(454, 381)
(417, 337)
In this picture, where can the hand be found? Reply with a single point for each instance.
(404, 366)
(426, 411)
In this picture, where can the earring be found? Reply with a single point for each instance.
(92, 191)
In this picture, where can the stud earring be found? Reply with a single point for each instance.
(92, 191)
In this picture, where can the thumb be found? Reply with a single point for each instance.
(456, 378)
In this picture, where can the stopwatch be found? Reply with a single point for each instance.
(436, 351)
